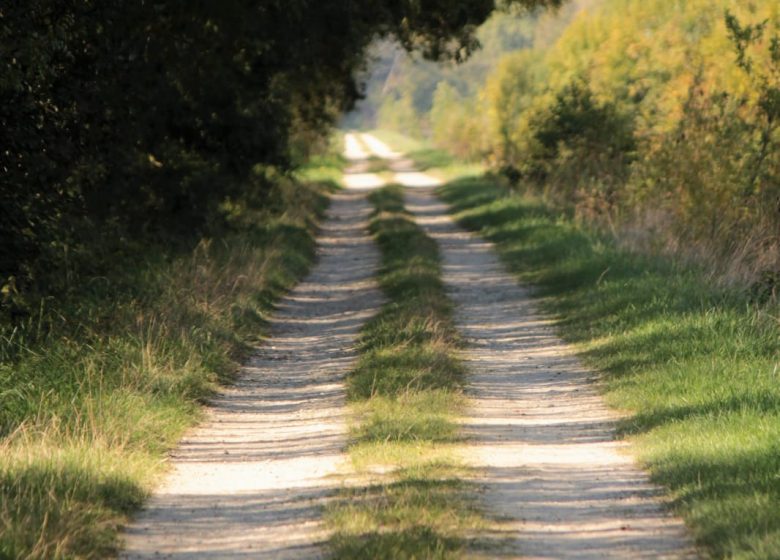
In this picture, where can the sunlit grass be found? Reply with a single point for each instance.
(423, 512)
(400, 142)
(428, 158)
(405, 394)
(696, 367)
(94, 395)
(65, 500)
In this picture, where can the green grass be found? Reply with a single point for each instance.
(405, 393)
(695, 367)
(428, 158)
(400, 142)
(425, 155)
(95, 389)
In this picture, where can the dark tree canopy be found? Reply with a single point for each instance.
(141, 117)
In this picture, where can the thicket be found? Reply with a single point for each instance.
(684, 154)
(659, 120)
(149, 120)
(401, 90)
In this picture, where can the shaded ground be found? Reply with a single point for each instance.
(554, 475)
(252, 480)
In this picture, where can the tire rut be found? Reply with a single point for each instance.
(252, 480)
(541, 439)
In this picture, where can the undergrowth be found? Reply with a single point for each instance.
(96, 388)
(405, 392)
(694, 365)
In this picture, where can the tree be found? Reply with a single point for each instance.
(139, 118)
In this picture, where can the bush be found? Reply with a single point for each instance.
(662, 124)
(581, 149)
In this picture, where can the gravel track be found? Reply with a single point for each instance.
(252, 480)
(541, 440)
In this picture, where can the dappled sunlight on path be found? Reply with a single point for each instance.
(356, 176)
(353, 149)
(555, 477)
(379, 148)
(252, 480)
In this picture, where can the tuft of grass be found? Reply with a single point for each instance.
(695, 366)
(405, 393)
(96, 389)
(420, 514)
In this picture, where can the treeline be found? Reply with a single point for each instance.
(153, 120)
(658, 119)
(401, 90)
(152, 211)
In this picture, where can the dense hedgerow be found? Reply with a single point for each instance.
(139, 121)
(659, 120)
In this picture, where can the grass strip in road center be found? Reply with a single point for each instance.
(406, 392)
(694, 365)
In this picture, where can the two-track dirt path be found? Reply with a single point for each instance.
(251, 481)
(539, 434)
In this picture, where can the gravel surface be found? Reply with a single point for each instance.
(252, 480)
(541, 440)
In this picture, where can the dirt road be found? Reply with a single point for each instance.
(251, 482)
(539, 433)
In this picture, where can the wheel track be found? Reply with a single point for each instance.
(542, 441)
(251, 481)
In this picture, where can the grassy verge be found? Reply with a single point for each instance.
(405, 393)
(96, 389)
(695, 367)
(402, 143)
(428, 158)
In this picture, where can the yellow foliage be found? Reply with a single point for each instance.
(652, 50)
(707, 138)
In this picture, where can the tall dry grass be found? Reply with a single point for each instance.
(96, 388)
